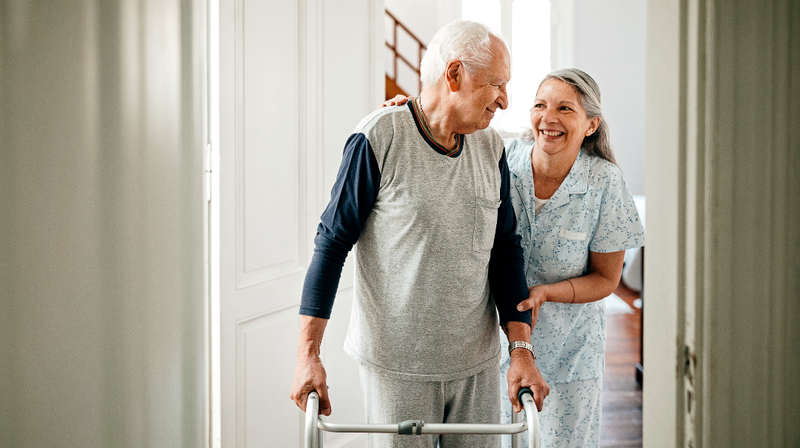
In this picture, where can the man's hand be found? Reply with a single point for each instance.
(309, 376)
(537, 296)
(398, 100)
(524, 373)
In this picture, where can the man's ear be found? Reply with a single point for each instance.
(454, 75)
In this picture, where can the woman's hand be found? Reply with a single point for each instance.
(603, 277)
(398, 100)
(537, 295)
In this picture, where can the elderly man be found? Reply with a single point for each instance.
(424, 190)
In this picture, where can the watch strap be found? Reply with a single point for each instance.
(522, 344)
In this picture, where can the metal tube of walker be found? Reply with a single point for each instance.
(312, 435)
(314, 425)
(525, 396)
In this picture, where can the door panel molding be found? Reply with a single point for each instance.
(267, 117)
(295, 78)
(272, 416)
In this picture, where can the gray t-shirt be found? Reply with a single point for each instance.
(433, 234)
(422, 305)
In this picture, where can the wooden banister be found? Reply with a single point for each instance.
(397, 56)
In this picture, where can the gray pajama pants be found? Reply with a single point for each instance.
(475, 399)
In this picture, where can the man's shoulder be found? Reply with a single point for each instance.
(381, 118)
(489, 134)
(487, 138)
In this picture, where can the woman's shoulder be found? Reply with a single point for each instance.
(601, 169)
(516, 149)
(607, 180)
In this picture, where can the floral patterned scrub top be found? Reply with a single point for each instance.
(592, 210)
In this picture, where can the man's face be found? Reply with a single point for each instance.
(483, 92)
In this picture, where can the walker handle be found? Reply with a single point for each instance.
(532, 417)
(523, 391)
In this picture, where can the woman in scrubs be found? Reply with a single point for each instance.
(576, 217)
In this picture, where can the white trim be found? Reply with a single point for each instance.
(562, 34)
(663, 264)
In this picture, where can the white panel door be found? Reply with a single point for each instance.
(295, 76)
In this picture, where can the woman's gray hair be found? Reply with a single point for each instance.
(599, 143)
(462, 40)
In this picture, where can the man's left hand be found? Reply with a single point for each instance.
(524, 373)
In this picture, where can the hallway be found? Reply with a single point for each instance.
(622, 395)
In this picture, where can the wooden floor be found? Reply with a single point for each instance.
(622, 395)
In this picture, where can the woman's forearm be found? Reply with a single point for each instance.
(605, 270)
(588, 288)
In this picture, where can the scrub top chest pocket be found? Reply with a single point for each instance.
(572, 247)
(485, 223)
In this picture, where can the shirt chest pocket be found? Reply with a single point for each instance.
(485, 223)
(572, 247)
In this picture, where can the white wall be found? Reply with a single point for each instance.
(101, 273)
(607, 41)
(423, 25)
(424, 18)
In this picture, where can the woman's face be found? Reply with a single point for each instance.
(558, 119)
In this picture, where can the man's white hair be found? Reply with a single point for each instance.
(462, 40)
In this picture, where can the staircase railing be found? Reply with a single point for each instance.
(399, 57)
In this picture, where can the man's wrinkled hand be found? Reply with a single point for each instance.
(524, 373)
(309, 376)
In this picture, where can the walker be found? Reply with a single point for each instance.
(315, 425)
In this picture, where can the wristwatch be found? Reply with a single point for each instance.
(521, 344)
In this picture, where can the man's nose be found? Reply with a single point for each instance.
(502, 98)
